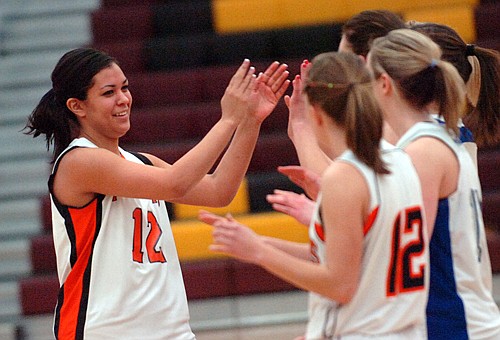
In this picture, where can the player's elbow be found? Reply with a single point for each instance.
(220, 200)
(343, 293)
(346, 296)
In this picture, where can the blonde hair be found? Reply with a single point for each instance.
(340, 84)
(414, 63)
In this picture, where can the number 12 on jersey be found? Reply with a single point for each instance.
(152, 238)
(407, 265)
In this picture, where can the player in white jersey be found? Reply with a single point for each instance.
(461, 305)
(367, 263)
(116, 257)
(391, 294)
(117, 264)
(410, 78)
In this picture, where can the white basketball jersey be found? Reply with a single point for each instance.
(461, 305)
(392, 292)
(118, 268)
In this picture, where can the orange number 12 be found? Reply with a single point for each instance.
(151, 239)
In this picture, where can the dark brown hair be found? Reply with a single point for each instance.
(483, 117)
(364, 27)
(71, 78)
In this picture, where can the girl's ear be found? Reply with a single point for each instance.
(316, 115)
(75, 106)
(386, 83)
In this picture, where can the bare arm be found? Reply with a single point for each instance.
(343, 213)
(300, 130)
(86, 171)
(437, 181)
(220, 187)
(296, 205)
(295, 249)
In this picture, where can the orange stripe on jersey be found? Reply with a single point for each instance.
(320, 231)
(369, 222)
(82, 225)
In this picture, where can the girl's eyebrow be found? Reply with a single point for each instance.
(112, 85)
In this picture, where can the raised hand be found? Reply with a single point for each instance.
(304, 178)
(271, 86)
(235, 102)
(295, 205)
(297, 103)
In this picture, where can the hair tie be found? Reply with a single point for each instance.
(470, 50)
(434, 63)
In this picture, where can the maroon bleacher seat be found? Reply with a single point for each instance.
(38, 294)
(491, 209)
(493, 238)
(171, 123)
(174, 18)
(43, 255)
(487, 20)
(203, 279)
(489, 168)
(207, 278)
(252, 279)
(122, 23)
(166, 88)
(129, 54)
(187, 121)
(216, 78)
(46, 214)
(179, 52)
(121, 3)
(271, 151)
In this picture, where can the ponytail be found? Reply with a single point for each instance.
(364, 126)
(340, 84)
(71, 78)
(450, 96)
(414, 62)
(484, 120)
(54, 120)
(480, 70)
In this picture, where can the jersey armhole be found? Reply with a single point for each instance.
(143, 158)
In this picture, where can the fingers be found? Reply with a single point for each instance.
(276, 77)
(244, 76)
(282, 89)
(212, 219)
(297, 86)
(304, 69)
(218, 248)
(249, 78)
(267, 76)
(240, 73)
(291, 170)
(287, 101)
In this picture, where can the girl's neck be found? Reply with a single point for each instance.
(101, 142)
(335, 142)
(402, 117)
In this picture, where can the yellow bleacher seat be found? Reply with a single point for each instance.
(244, 15)
(302, 13)
(402, 6)
(250, 15)
(193, 237)
(239, 205)
(241, 15)
(459, 17)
